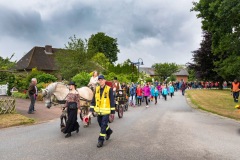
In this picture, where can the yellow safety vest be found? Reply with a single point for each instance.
(102, 106)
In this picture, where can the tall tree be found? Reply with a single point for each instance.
(6, 63)
(221, 18)
(203, 60)
(164, 70)
(74, 58)
(102, 43)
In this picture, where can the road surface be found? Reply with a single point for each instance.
(169, 130)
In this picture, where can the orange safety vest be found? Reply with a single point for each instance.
(235, 87)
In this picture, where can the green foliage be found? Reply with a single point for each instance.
(164, 70)
(102, 61)
(102, 43)
(203, 61)
(33, 74)
(172, 78)
(148, 79)
(6, 63)
(21, 82)
(81, 79)
(4, 77)
(19, 95)
(46, 78)
(40, 85)
(74, 59)
(11, 80)
(221, 18)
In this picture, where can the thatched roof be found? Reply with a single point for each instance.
(41, 58)
(147, 70)
(182, 72)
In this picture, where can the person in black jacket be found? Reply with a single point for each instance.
(32, 93)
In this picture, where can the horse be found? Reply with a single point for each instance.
(56, 93)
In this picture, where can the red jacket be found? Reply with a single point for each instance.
(139, 91)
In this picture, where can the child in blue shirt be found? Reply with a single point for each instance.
(165, 92)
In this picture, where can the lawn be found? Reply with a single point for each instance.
(216, 101)
(8, 120)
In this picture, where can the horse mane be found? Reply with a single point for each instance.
(55, 88)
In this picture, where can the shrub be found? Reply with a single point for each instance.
(148, 79)
(46, 78)
(19, 95)
(81, 79)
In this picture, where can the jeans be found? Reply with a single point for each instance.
(235, 96)
(31, 107)
(132, 99)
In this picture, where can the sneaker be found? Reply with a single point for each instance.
(108, 135)
(100, 144)
(147, 106)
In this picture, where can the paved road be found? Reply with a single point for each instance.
(169, 130)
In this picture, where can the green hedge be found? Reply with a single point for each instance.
(19, 95)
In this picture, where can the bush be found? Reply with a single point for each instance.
(148, 79)
(81, 79)
(42, 85)
(19, 95)
(46, 78)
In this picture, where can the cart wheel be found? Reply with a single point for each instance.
(126, 107)
(120, 111)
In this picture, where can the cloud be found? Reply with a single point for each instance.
(155, 30)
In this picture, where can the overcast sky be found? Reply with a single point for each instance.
(155, 30)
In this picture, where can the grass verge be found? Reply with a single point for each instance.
(8, 120)
(215, 101)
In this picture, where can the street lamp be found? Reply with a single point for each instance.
(140, 62)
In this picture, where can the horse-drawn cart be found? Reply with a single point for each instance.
(121, 102)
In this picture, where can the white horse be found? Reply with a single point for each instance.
(59, 91)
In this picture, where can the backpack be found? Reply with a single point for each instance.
(132, 91)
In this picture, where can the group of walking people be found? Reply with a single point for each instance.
(150, 92)
(103, 101)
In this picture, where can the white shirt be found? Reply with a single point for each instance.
(94, 80)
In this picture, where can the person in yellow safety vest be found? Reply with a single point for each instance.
(103, 104)
(235, 89)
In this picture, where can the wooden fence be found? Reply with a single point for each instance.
(7, 105)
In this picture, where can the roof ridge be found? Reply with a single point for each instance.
(31, 56)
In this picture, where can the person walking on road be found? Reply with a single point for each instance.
(103, 104)
(165, 92)
(139, 95)
(155, 95)
(235, 90)
(146, 91)
(132, 98)
(32, 93)
(72, 104)
(183, 88)
(171, 90)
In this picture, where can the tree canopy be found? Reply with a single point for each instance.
(74, 58)
(6, 63)
(221, 18)
(164, 70)
(104, 44)
(203, 60)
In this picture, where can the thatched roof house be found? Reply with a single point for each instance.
(41, 58)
